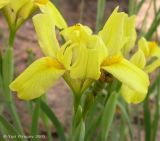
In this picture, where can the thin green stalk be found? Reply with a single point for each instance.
(100, 14)
(131, 7)
(157, 114)
(7, 76)
(147, 119)
(126, 118)
(107, 116)
(35, 119)
(10, 129)
(46, 109)
(48, 130)
(81, 11)
(154, 25)
(138, 7)
(145, 18)
(46, 122)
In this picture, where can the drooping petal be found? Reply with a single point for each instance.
(132, 96)
(128, 74)
(46, 34)
(53, 14)
(37, 78)
(3, 3)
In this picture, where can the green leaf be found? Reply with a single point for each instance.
(7, 67)
(100, 14)
(154, 25)
(126, 118)
(139, 5)
(11, 130)
(80, 132)
(77, 117)
(35, 117)
(108, 115)
(46, 109)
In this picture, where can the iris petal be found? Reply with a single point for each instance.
(37, 78)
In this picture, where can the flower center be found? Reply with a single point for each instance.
(111, 60)
(41, 1)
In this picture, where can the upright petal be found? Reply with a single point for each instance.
(46, 34)
(53, 14)
(129, 34)
(128, 74)
(139, 59)
(37, 78)
(113, 32)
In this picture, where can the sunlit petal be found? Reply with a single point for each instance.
(37, 78)
(46, 34)
(128, 74)
(53, 14)
(131, 96)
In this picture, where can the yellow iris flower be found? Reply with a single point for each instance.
(82, 57)
(146, 58)
(119, 36)
(73, 61)
(17, 11)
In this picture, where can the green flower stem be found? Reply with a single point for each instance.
(131, 7)
(35, 118)
(108, 115)
(156, 114)
(154, 25)
(147, 119)
(46, 121)
(7, 76)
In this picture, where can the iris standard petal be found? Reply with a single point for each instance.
(37, 78)
(139, 59)
(132, 96)
(46, 34)
(113, 32)
(128, 74)
(53, 14)
(130, 34)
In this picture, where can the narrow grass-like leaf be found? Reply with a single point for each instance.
(154, 25)
(147, 120)
(35, 117)
(139, 5)
(155, 122)
(125, 116)
(132, 7)
(79, 132)
(108, 114)
(11, 130)
(46, 109)
(100, 14)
